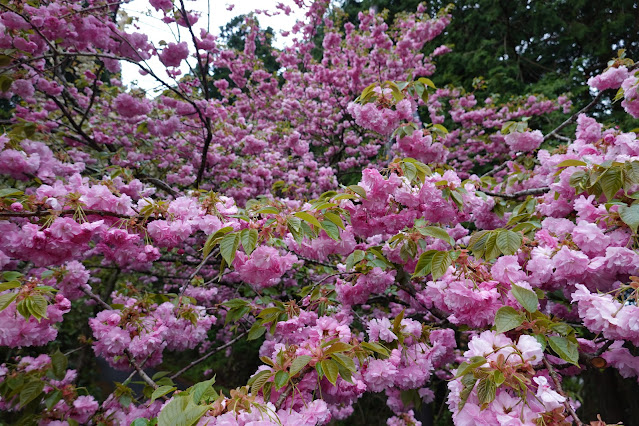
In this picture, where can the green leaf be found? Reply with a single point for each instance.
(611, 182)
(491, 250)
(440, 263)
(213, 239)
(12, 275)
(159, 375)
(477, 242)
(308, 218)
(9, 285)
(10, 192)
(53, 398)
(331, 370)
(267, 210)
(258, 381)
(59, 363)
(424, 263)
(335, 219)
(507, 318)
(324, 205)
(426, 82)
(344, 197)
(249, 240)
(541, 339)
(161, 391)
(358, 190)
(228, 247)
(181, 411)
(526, 298)
(266, 390)
(354, 258)
(468, 381)
(569, 163)
(409, 169)
(375, 347)
(256, 331)
(299, 363)
(508, 242)
(436, 232)
(31, 391)
(37, 306)
(397, 322)
(466, 367)
(344, 360)
(630, 216)
(5, 80)
(23, 308)
(486, 390)
(200, 389)
(331, 229)
(235, 303)
(280, 379)
(236, 313)
(338, 347)
(567, 350)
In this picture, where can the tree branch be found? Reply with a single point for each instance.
(555, 379)
(574, 117)
(41, 213)
(207, 355)
(525, 192)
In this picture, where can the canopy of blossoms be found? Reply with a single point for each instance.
(231, 210)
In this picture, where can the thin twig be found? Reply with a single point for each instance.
(41, 213)
(318, 262)
(198, 268)
(554, 132)
(96, 298)
(525, 192)
(555, 379)
(149, 381)
(574, 117)
(161, 184)
(206, 356)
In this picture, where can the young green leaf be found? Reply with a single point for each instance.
(567, 350)
(228, 247)
(161, 391)
(436, 232)
(249, 240)
(526, 298)
(331, 370)
(280, 379)
(508, 242)
(440, 263)
(507, 318)
(299, 363)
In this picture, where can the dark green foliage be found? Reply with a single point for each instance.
(233, 36)
(548, 47)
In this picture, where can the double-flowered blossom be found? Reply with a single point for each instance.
(155, 217)
(143, 332)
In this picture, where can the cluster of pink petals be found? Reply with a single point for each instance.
(609, 79)
(524, 141)
(146, 338)
(16, 331)
(264, 267)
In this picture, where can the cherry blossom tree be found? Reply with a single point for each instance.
(331, 212)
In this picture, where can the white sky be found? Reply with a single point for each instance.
(149, 23)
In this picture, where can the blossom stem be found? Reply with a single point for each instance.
(555, 379)
(207, 355)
